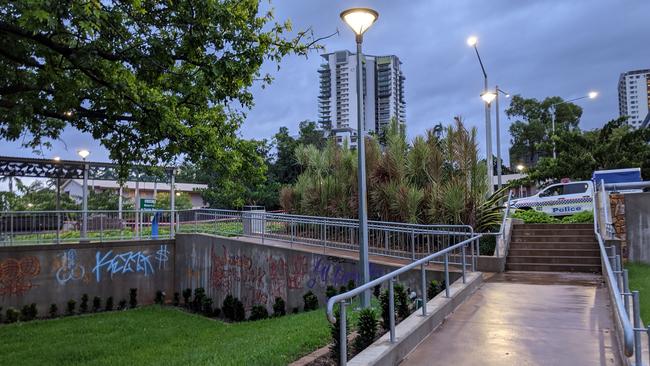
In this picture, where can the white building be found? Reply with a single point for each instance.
(634, 97)
(383, 93)
(74, 187)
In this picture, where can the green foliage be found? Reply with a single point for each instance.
(487, 244)
(70, 306)
(199, 296)
(351, 285)
(335, 332)
(433, 289)
(181, 202)
(97, 304)
(28, 312)
(206, 306)
(109, 304)
(160, 298)
(176, 301)
(310, 301)
(228, 307)
(402, 302)
(149, 88)
(330, 291)
(53, 311)
(108, 200)
(343, 290)
(258, 312)
(83, 305)
(133, 297)
(121, 305)
(279, 307)
(240, 313)
(584, 217)
(187, 293)
(534, 217)
(36, 197)
(366, 329)
(12, 315)
(376, 291)
(385, 309)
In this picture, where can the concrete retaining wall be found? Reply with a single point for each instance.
(46, 274)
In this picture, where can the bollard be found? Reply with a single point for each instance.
(391, 310)
(424, 291)
(637, 324)
(343, 340)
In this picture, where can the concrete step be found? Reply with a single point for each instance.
(545, 267)
(517, 237)
(553, 245)
(551, 252)
(555, 232)
(555, 226)
(553, 260)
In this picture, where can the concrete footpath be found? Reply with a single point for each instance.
(526, 318)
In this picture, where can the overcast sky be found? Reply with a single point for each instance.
(533, 48)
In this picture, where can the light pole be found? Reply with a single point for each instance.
(520, 169)
(473, 42)
(83, 153)
(57, 160)
(360, 20)
(498, 128)
(590, 95)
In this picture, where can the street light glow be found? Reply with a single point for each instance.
(57, 158)
(472, 41)
(592, 94)
(488, 96)
(520, 167)
(359, 19)
(83, 153)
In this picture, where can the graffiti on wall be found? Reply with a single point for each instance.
(332, 272)
(16, 275)
(123, 263)
(70, 269)
(162, 256)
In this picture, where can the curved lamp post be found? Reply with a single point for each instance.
(591, 95)
(360, 20)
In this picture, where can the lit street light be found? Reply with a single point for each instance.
(498, 128)
(473, 42)
(591, 95)
(488, 96)
(360, 20)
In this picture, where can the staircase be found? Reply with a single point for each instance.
(553, 248)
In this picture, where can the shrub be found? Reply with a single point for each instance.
(295, 310)
(335, 332)
(401, 302)
(25, 314)
(54, 311)
(259, 312)
(177, 299)
(534, 217)
(310, 300)
(0, 314)
(97, 303)
(216, 312)
(199, 295)
(121, 305)
(109, 304)
(351, 285)
(383, 302)
(487, 244)
(206, 306)
(579, 218)
(187, 293)
(12, 315)
(83, 305)
(279, 307)
(160, 298)
(240, 313)
(366, 329)
(343, 290)
(228, 307)
(330, 292)
(376, 291)
(433, 289)
(69, 310)
(133, 297)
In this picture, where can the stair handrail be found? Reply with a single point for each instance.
(501, 232)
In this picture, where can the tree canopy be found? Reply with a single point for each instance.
(150, 79)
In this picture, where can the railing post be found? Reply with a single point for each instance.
(447, 274)
(471, 245)
(424, 291)
(263, 227)
(637, 323)
(101, 228)
(343, 336)
(391, 310)
(619, 273)
(58, 227)
(196, 223)
(412, 244)
(626, 289)
(463, 254)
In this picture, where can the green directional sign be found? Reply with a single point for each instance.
(147, 204)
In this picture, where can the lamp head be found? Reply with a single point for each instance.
(520, 167)
(472, 41)
(488, 96)
(57, 158)
(83, 153)
(592, 94)
(359, 19)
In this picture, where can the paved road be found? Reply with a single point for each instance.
(524, 318)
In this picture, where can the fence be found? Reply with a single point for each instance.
(458, 250)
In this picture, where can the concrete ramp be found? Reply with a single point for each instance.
(520, 318)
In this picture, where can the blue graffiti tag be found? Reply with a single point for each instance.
(70, 268)
(162, 256)
(129, 262)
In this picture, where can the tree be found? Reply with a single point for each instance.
(311, 135)
(181, 202)
(532, 130)
(150, 79)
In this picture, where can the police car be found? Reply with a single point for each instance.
(559, 199)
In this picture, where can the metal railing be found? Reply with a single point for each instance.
(458, 250)
(501, 233)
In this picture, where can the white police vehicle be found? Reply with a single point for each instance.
(559, 199)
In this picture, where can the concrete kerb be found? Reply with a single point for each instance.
(412, 330)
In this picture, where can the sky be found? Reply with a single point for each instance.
(533, 48)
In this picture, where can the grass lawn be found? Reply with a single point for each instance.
(639, 275)
(161, 336)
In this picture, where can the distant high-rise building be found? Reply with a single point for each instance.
(383, 94)
(634, 97)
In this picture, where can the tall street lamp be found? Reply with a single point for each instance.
(83, 153)
(498, 128)
(473, 42)
(360, 20)
(590, 95)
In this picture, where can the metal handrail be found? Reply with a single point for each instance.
(628, 330)
(341, 298)
(501, 231)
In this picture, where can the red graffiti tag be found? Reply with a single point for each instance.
(16, 275)
(298, 269)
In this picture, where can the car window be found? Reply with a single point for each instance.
(575, 188)
(551, 191)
